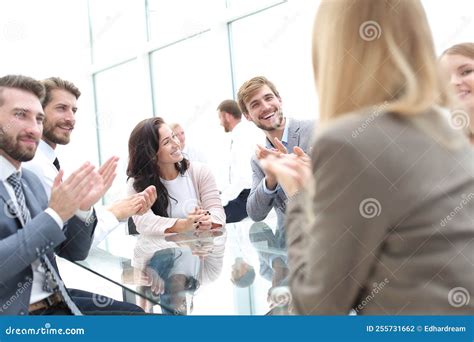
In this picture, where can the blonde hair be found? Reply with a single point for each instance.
(250, 87)
(174, 125)
(368, 53)
(463, 49)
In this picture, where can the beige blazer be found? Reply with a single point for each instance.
(208, 198)
(388, 227)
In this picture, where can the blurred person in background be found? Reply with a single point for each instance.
(242, 147)
(190, 152)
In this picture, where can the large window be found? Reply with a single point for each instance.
(121, 104)
(118, 29)
(189, 80)
(276, 53)
(170, 20)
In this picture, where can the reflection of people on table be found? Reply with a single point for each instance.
(271, 249)
(172, 268)
(243, 274)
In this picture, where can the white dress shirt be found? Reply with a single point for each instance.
(37, 292)
(42, 166)
(183, 197)
(243, 143)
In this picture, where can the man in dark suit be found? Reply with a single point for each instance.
(31, 229)
(261, 103)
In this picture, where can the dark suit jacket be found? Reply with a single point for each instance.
(19, 248)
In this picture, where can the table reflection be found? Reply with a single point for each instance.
(239, 269)
(170, 269)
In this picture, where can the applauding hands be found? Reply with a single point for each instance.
(291, 170)
(81, 189)
(136, 204)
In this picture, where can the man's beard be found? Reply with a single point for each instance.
(48, 133)
(12, 147)
(276, 124)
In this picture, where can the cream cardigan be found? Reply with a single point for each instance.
(208, 198)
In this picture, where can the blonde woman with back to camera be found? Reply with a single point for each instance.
(385, 225)
(457, 63)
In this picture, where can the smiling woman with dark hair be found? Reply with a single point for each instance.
(187, 193)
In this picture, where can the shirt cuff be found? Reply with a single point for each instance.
(265, 189)
(84, 215)
(54, 215)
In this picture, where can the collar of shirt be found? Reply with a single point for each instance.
(6, 169)
(284, 138)
(47, 151)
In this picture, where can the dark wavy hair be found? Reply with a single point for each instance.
(143, 146)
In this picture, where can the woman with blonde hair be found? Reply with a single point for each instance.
(382, 221)
(458, 63)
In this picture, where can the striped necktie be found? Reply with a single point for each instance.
(15, 182)
(53, 282)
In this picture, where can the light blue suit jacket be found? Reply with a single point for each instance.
(19, 248)
(259, 203)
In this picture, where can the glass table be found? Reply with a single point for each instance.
(237, 270)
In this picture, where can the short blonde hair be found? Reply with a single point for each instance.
(174, 125)
(368, 53)
(463, 49)
(248, 89)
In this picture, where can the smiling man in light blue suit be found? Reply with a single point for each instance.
(261, 103)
